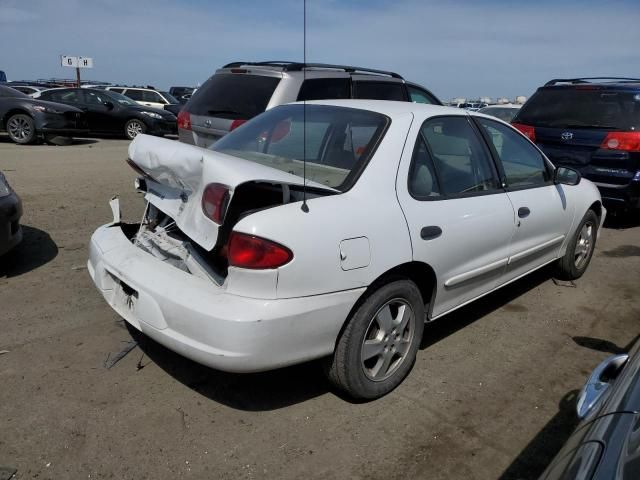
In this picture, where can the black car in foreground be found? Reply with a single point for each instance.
(606, 444)
(591, 125)
(111, 113)
(28, 120)
(10, 213)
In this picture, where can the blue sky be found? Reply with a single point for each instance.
(455, 48)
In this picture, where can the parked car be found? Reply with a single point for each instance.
(473, 106)
(3, 76)
(111, 113)
(312, 231)
(592, 125)
(504, 112)
(183, 94)
(239, 91)
(10, 213)
(148, 97)
(605, 445)
(27, 120)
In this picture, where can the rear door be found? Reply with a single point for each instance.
(225, 101)
(459, 217)
(543, 213)
(572, 122)
(100, 115)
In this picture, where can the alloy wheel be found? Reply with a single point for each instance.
(584, 245)
(19, 128)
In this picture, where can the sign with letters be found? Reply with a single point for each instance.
(76, 62)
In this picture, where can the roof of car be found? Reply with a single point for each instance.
(286, 66)
(617, 82)
(391, 108)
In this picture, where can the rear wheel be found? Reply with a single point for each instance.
(580, 249)
(21, 128)
(134, 127)
(378, 346)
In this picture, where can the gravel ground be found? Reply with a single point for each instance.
(492, 393)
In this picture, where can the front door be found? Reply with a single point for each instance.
(460, 219)
(543, 214)
(100, 112)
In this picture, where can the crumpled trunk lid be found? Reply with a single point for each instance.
(177, 175)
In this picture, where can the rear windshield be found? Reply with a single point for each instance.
(582, 107)
(339, 141)
(233, 96)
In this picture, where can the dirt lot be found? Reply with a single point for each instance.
(491, 396)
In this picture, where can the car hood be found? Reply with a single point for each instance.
(177, 175)
(59, 106)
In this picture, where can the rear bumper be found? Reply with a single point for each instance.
(201, 321)
(620, 196)
(10, 230)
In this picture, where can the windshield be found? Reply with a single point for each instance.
(121, 99)
(339, 141)
(582, 107)
(169, 98)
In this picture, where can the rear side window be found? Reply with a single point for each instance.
(117, 90)
(582, 106)
(523, 165)
(324, 89)
(134, 94)
(420, 96)
(380, 91)
(62, 96)
(151, 96)
(450, 160)
(233, 96)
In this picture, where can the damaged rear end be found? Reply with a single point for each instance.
(194, 199)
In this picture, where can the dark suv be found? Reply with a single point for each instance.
(592, 125)
(239, 91)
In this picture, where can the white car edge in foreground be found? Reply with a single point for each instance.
(367, 264)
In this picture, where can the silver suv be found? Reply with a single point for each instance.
(239, 91)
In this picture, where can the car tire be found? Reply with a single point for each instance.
(21, 129)
(379, 342)
(580, 249)
(134, 127)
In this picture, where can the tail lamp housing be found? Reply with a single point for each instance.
(527, 130)
(184, 120)
(215, 200)
(256, 253)
(625, 141)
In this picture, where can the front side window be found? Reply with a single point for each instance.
(450, 160)
(117, 90)
(324, 89)
(93, 98)
(379, 91)
(336, 142)
(523, 164)
(151, 97)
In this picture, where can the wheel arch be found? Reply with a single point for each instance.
(14, 111)
(597, 208)
(420, 273)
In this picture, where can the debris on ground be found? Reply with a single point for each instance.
(564, 283)
(112, 360)
(7, 473)
(2, 352)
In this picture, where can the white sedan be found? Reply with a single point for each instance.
(408, 212)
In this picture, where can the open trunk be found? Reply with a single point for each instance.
(176, 227)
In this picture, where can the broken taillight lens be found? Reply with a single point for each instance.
(214, 201)
(527, 130)
(249, 251)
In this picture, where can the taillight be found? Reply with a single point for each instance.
(527, 130)
(626, 141)
(184, 120)
(249, 251)
(214, 201)
(235, 124)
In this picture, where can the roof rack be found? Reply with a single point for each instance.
(589, 79)
(297, 66)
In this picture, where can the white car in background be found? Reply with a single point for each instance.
(148, 97)
(505, 112)
(408, 212)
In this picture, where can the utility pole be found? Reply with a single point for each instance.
(78, 76)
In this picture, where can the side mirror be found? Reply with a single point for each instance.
(109, 105)
(566, 176)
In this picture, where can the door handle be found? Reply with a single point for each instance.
(430, 232)
(523, 212)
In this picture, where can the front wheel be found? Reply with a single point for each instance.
(134, 127)
(21, 129)
(378, 345)
(580, 249)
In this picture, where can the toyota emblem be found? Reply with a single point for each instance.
(566, 136)
(207, 123)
